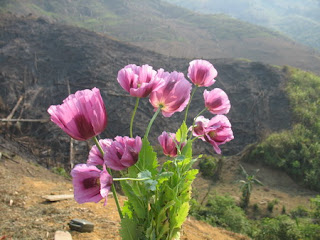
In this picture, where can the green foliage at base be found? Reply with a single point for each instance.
(157, 206)
(297, 151)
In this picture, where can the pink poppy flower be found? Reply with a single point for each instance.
(172, 93)
(81, 115)
(216, 101)
(137, 81)
(90, 184)
(168, 143)
(216, 131)
(202, 73)
(122, 153)
(95, 157)
(199, 127)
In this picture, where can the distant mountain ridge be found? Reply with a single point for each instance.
(298, 19)
(173, 31)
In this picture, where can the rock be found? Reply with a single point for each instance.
(81, 225)
(55, 198)
(62, 235)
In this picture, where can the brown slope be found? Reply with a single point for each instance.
(37, 58)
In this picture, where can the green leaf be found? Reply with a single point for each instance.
(151, 184)
(164, 177)
(187, 150)
(126, 211)
(147, 160)
(137, 203)
(128, 229)
(191, 175)
(181, 215)
(164, 229)
(144, 174)
(182, 133)
(162, 214)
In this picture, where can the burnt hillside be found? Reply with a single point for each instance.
(38, 59)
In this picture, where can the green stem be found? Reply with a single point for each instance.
(109, 171)
(133, 114)
(130, 179)
(151, 122)
(186, 114)
(194, 121)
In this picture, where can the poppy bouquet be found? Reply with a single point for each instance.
(157, 196)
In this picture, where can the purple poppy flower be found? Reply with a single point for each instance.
(216, 101)
(215, 131)
(95, 157)
(90, 183)
(202, 73)
(169, 144)
(172, 93)
(138, 81)
(81, 115)
(122, 153)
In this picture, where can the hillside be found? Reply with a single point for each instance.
(39, 58)
(298, 19)
(174, 31)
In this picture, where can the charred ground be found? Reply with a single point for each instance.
(38, 60)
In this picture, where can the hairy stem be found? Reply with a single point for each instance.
(109, 171)
(186, 114)
(151, 122)
(133, 114)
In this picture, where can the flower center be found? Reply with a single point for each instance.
(91, 182)
(84, 126)
(212, 134)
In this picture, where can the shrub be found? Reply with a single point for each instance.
(222, 211)
(283, 211)
(299, 212)
(315, 204)
(271, 204)
(61, 171)
(310, 231)
(210, 166)
(256, 207)
(279, 228)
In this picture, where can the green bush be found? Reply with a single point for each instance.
(271, 205)
(315, 204)
(210, 166)
(61, 171)
(278, 228)
(299, 212)
(222, 211)
(310, 231)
